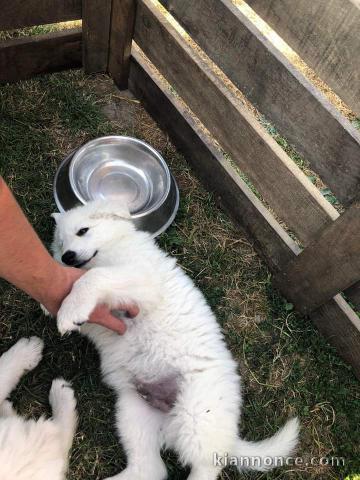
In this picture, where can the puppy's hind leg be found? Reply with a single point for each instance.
(203, 426)
(20, 358)
(204, 472)
(63, 404)
(139, 427)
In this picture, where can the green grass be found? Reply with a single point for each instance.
(287, 367)
(356, 123)
(37, 30)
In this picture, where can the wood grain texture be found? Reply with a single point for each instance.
(22, 58)
(20, 13)
(336, 320)
(96, 34)
(327, 266)
(121, 35)
(325, 33)
(301, 113)
(281, 183)
(340, 325)
(214, 170)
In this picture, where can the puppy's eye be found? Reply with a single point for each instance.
(82, 232)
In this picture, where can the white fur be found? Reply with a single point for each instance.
(175, 335)
(29, 449)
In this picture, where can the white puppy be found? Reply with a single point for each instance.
(29, 449)
(176, 381)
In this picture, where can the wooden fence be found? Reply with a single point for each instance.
(318, 266)
(21, 58)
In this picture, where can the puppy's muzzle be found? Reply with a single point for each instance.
(69, 258)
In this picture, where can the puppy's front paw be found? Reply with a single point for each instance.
(28, 352)
(71, 316)
(62, 395)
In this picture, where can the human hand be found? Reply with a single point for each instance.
(64, 278)
(103, 316)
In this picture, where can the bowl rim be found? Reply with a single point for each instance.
(170, 220)
(62, 165)
(80, 151)
(66, 163)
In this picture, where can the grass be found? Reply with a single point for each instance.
(38, 30)
(287, 368)
(356, 123)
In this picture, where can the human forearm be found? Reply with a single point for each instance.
(24, 261)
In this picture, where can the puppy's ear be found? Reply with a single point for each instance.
(55, 216)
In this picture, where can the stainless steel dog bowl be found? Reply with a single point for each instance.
(155, 222)
(121, 167)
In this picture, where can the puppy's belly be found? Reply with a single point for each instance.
(160, 394)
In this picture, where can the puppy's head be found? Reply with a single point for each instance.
(81, 233)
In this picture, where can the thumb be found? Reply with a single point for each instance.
(102, 316)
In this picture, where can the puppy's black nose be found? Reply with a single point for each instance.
(69, 258)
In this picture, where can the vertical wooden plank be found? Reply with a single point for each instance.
(121, 35)
(96, 31)
(340, 325)
(327, 266)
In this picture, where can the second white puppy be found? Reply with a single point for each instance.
(29, 449)
(176, 381)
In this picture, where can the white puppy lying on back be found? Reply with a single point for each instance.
(176, 381)
(29, 449)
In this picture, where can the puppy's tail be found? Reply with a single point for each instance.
(269, 453)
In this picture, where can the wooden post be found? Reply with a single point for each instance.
(96, 30)
(326, 267)
(121, 35)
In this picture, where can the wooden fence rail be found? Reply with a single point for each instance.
(210, 164)
(297, 202)
(325, 33)
(336, 320)
(277, 89)
(22, 58)
(20, 13)
(326, 267)
(274, 85)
